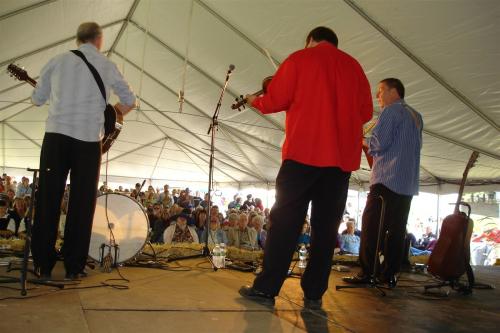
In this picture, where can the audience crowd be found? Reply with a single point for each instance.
(179, 216)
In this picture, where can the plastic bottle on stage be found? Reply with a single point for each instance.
(223, 252)
(216, 256)
(303, 257)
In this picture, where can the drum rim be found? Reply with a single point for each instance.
(147, 224)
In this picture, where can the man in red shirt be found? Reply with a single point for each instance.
(327, 99)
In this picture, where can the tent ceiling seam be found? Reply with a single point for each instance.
(164, 86)
(202, 72)
(190, 148)
(244, 168)
(174, 141)
(463, 145)
(25, 9)
(224, 127)
(227, 135)
(124, 26)
(237, 31)
(49, 46)
(22, 134)
(444, 83)
(171, 119)
(134, 150)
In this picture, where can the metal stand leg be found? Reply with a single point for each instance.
(373, 283)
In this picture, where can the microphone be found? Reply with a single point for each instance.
(231, 69)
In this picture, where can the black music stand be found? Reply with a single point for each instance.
(373, 282)
(27, 245)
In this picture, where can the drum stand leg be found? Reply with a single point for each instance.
(23, 280)
(374, 282)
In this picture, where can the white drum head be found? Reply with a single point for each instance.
(129, 226)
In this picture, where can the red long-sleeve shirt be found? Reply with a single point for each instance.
(327, 99)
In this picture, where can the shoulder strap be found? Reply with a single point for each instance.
(413, 115)
(94, 72)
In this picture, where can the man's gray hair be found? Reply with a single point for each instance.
(87, 32)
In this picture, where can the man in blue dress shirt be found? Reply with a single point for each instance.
(395, 146)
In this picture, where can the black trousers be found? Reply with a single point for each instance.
(296, 186)
(60, 154)
(393, 232)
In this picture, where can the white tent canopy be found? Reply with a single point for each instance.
(445, 52)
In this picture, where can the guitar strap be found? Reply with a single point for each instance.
(94, 72)
(413, 115)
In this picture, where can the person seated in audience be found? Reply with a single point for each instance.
(165, 198)
(242, 236)
(160, 226)
(423, 243)
(236, 204)
(349, 241)
(180, 232)
(155, 215)
(183, 200)
(258, 204)
(4, 220)
(357, 232)
(200, 221)
(150, 196)
(17, 215)
(248, 203)
(232, 221)
(251, 215)
(204, 203)
(23, 188)
(266, 218)
(305, 236)
(11, 194)
(258, 223)
(215, 234)
(9, 185)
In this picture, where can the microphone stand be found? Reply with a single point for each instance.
(28, 221)
(211, 130)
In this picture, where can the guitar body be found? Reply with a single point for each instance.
(450, 258)
(451, 253)
(113, 123)
(113, 118)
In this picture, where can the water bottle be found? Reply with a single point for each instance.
(303, 257)
(223, 252)
(216, 256)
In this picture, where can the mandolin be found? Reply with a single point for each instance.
(113, 118)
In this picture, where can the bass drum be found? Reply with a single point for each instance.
(128, 227)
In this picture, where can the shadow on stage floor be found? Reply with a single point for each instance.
(190, 297)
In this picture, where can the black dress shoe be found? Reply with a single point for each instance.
(45, 277)
(392, 281)
(257, 296)
(313, 304)
(71, 276)
(356, 279)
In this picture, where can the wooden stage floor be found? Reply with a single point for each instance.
(192, 298)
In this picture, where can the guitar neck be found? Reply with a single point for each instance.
(31, 82)
(470, 164)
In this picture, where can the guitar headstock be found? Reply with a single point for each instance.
(18, 72)
(240, 103)
(472, 160)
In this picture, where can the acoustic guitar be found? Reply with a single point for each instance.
(113, 118)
